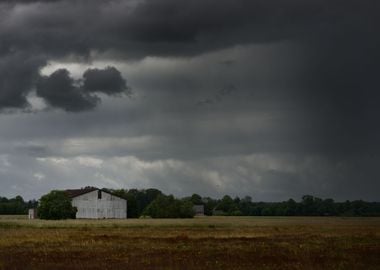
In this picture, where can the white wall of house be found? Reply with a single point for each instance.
(99, 206)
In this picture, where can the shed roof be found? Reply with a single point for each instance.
(77, 192)
(72, 193)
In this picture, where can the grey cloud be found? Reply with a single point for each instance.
(19, 76)
(135, 29)
(168, 27)
(228, 62)
(226, 91)
(108, 81)
(59, 91)
(32, 150)
(262, 176)
(18, 72)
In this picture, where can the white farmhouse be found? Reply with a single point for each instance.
(95, 203)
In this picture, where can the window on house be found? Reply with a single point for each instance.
(99, 194)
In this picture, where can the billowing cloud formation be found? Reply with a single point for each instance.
(108, 81)
(60, 90)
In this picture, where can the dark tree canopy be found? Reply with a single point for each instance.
(15, 206)
(137, 200)
(169, 207)
(196, 199)
(56, 205)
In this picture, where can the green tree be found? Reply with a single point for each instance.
(169, 207)
(291, 208)
(308, 205)
(228, 206)
(245, 206)
(210, 204)
(137, 200)
(196, 199)
(186, 209)
(327, 208)
(56, 205)
(13, 206)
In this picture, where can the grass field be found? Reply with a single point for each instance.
(200, 243)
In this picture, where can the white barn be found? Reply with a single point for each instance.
(94, 203)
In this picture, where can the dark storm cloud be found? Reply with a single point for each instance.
(60, 90)
(18, 72)
(339, 86)
(334, 31)
(175, 27)
(108, 81)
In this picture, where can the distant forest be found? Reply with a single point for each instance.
(154, 203)
(16, 206)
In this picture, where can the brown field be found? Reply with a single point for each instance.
(200, 243)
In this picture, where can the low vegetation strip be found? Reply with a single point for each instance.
(152, 202)
(214, 221)
(200, 243)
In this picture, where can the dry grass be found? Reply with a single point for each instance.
(200, 243)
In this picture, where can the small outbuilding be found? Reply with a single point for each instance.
(94, 203)
(199, 210)
(32, 213)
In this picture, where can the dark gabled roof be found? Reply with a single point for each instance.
(77, 192)
(72, 193)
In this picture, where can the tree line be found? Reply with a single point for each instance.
(154, 203)
(15, 206)
(308, 206)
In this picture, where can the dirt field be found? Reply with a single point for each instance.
(200, 243)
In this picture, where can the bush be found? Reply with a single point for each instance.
(56, 205)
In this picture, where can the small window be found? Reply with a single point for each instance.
(99, 194)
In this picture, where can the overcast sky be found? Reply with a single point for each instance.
(268, 98)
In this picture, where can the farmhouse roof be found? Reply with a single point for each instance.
(72, 193)
(77, 192)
